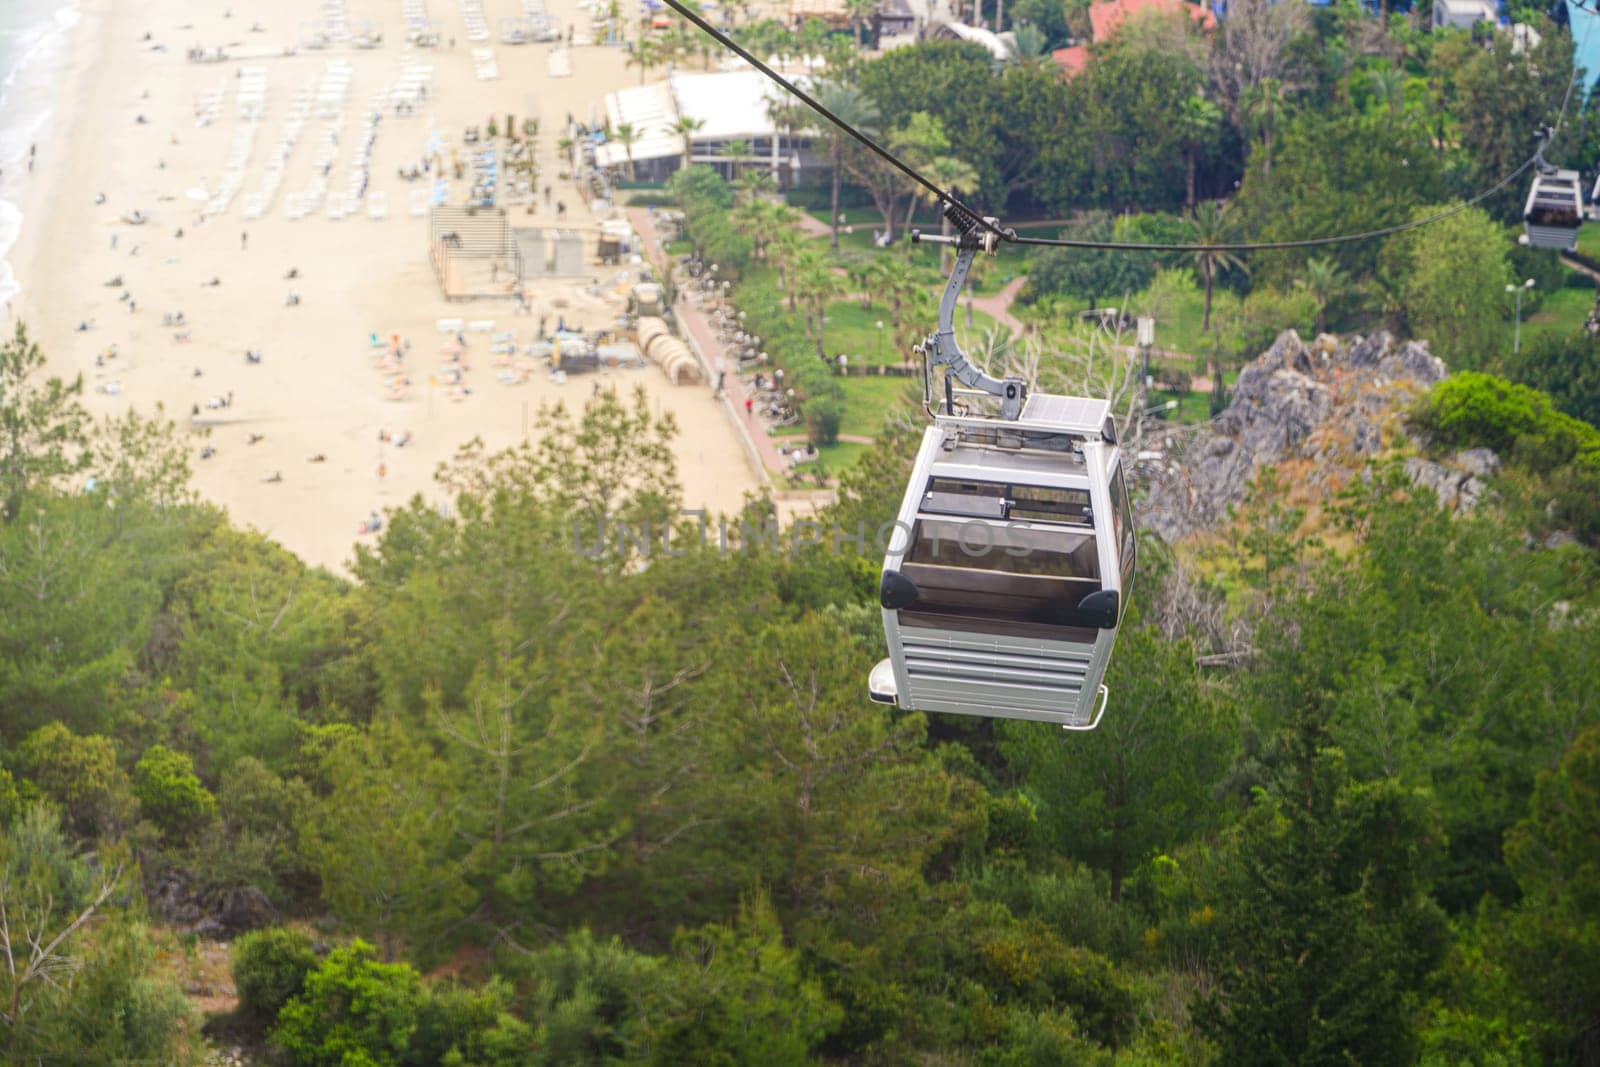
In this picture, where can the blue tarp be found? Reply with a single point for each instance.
(1585, 40)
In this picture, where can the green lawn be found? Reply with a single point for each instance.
(1194, 406)
(835, 459)
(1561, 312)
(1007, 264)
(868, 400)
(852, 329)
(1179, 330)
(1589, 241)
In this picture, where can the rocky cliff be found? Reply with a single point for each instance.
(1332, 403)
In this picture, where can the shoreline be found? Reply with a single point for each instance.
(124, 124)
(50, 131)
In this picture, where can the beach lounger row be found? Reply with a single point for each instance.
(208, 106)
(477, 25)
(420, 29)
(332, 28)
(311, 199)
(239, 150)
(259, 202)
(484, 63)
(411, 88)
(361, 159)
(334, 89)
(416, 15)
(252, 93)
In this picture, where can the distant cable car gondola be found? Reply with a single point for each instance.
(1554, 210)
(1007, 576)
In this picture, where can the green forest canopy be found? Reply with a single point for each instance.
(645, 809)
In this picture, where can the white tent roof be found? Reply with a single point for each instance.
(651, 112)
(731, 105)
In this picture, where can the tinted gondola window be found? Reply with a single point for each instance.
(1030, 577)
(1007, 548)
(999, 500)
(1122, 524)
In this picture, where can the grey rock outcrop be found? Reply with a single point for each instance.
(1327, 401)
(175, 899)
(247, 908)
(1458, 482)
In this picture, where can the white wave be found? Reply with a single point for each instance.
(24, 110)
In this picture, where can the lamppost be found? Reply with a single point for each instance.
(1516, 337)
(877, 340)
(1170, 405)
(1147, 339)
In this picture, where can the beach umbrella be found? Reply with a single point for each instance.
(198, 193)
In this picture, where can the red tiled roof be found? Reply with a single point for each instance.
(1071, 61)
(1105, 17)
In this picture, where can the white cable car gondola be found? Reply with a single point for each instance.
(1013, 554)
(1554, 211)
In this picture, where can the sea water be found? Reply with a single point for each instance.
(34, 38)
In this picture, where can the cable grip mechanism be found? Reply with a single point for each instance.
(940, 348)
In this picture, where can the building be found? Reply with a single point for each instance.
(999, 45)
(1104, 19)
(729, 106)
(894, 18)
(1463, 14)
(832, 13)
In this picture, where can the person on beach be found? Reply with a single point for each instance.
(244, 241)
(749, 407)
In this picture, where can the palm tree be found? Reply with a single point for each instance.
(644, 55)
(860, 11)
(782, 251)
(893, 285)
(1389, 86)
(854, 108)
(626, 135)
(1197, 121)
(735, 153)
(675, 44)
(686, 127)
(753, 185)
(816, 286)
(762, 220)
(1261, 107)
(1032, 44)
(1325, 281)
(1212, 227)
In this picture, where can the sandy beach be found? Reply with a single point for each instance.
(125, 138)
